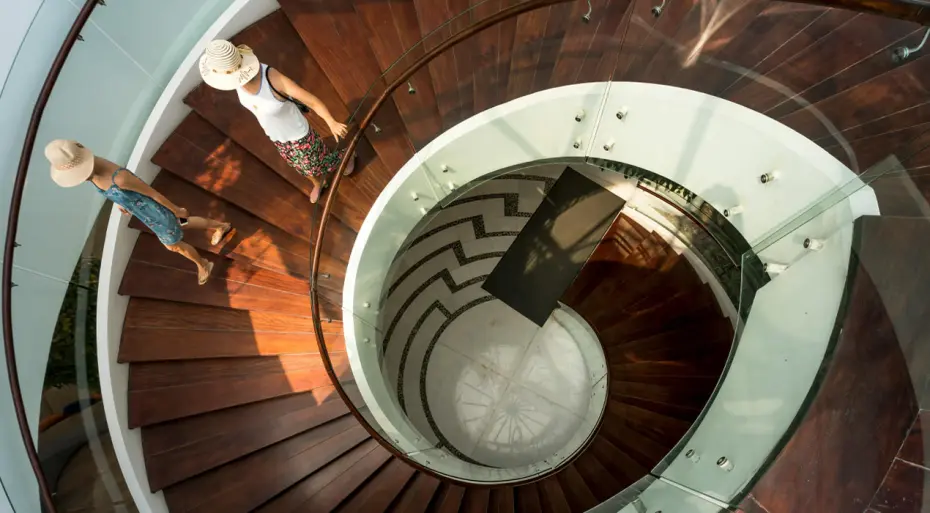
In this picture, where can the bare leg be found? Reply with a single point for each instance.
(317, 188)
(204, 266)
(217, 229)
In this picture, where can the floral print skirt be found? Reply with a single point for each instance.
(309, 156)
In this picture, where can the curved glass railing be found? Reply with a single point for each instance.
(777, 129)
(829, 90)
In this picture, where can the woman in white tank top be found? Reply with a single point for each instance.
(271, 96)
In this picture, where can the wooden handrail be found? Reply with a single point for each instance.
(425, 59)
(910, 10)
(16, 199)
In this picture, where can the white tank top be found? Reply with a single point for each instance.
(282, 121)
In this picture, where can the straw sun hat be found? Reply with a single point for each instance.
(226, 66)
(72, 163)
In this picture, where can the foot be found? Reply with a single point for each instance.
(351, 167)
(203, 272)
(220, 233)
(315, 193)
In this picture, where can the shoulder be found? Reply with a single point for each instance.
(124, 177)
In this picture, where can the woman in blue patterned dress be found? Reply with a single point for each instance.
(73, 164)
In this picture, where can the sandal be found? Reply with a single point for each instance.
(220, 234)
(208, 267)
(351, 167)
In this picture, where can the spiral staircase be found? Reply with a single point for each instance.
(236, 408)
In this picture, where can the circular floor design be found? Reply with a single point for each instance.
(507, 393)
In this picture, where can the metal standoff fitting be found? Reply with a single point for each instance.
(366, 304)
(423, 210)
(901, 53)
(366, 340)
(444, 168)
(410, 88)
(608, 146)
(621, 114)
(773, 268)
(725, 464)
(579, 116)
(657, 10)
(768, 177)
(414, 196)
(732, 211)
(586, 18)
(451, 186)
(576, 144)
(377, 128)
(693, 456)
(813, 244)
(325, 276)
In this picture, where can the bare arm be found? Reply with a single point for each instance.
(129, 181)
(289, 87)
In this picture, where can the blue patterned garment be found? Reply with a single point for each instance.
(152, 213)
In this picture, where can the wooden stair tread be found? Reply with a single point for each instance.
(154, 405)
(381, 489)
(476, 500)
(448, 499)
(241, 435)
(153, 313)
(202, 155)
(417, 495)
(248, 482)
(324, 489)
(577, 493)
(158, 344)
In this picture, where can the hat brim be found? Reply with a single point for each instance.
(77, 174)
(227, 82)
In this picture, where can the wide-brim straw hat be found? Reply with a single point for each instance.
(72, 163)
(226, 66)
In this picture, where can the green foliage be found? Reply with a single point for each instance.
(63, 359)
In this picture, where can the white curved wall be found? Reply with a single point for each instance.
(711, 146)
(107, 86)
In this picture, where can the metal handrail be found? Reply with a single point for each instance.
(401, 79)
(19, 184)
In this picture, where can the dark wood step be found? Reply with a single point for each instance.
(656, 426)
(552, 497)
(502, 500)
(163, 391)
(153, 313)
(202, 155)
(683, 307)
(624, 468)
(392, 30)
(158, 344)
(577, 492)
(597, 478)
(324, 489)
(156, 273)
(381, 489)
(254, 241)
(448, 499)
(245, 484)
(417, 495)
(698, 338)
(333, 40)
(527, 499)
(182, 449)
(644, 450)
(476, 500)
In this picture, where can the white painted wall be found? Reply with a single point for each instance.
(105, 91)
(713, 147)
(111, 307)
